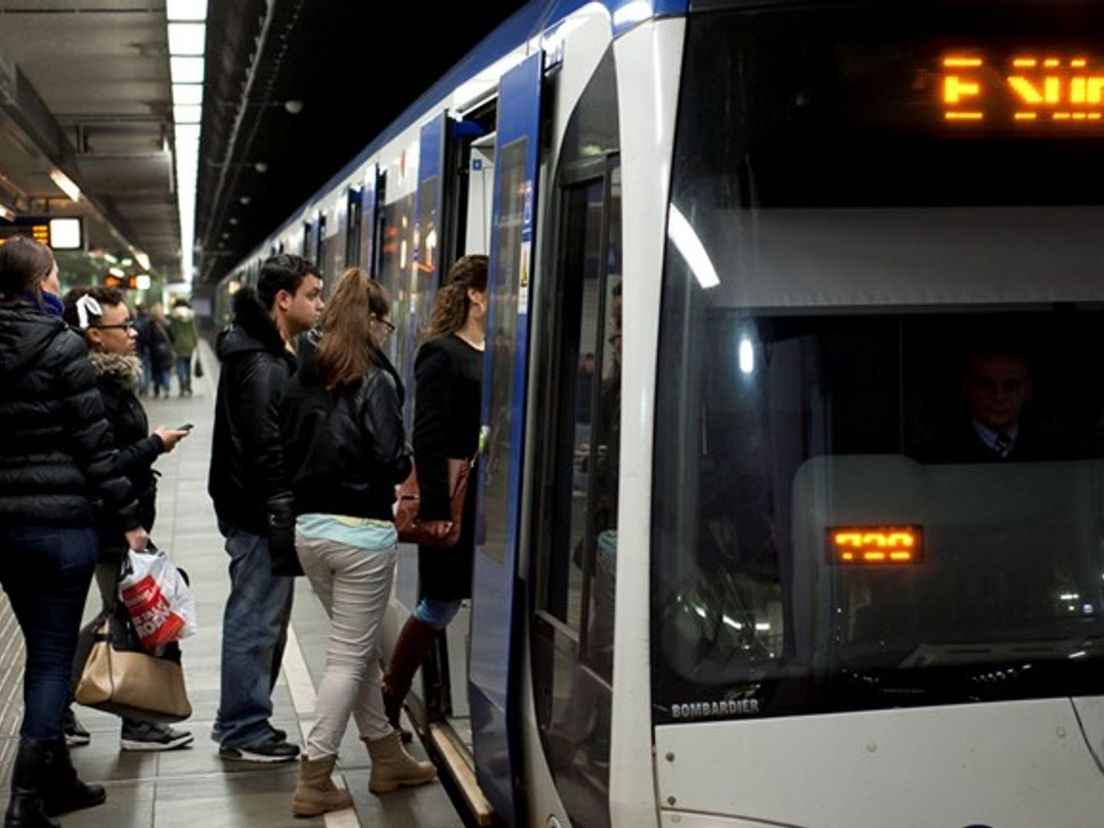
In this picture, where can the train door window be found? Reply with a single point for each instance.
(353, 228)
(576, 576)
(305, 251)
(575, 526)
(503, 323)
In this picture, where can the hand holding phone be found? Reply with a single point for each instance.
(171, 436)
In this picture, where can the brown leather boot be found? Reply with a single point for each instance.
(415, 642)
(316, 794)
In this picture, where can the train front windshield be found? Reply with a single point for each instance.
(880, 408)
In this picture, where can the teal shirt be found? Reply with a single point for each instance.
(361, 533)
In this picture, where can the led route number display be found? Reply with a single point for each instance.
(1021, 90)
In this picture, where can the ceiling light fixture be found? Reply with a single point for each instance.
(65, 184)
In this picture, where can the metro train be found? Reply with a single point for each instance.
(792, 500)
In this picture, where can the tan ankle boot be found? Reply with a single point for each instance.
(393, 767)
(316, 794)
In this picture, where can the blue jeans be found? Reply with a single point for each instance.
(184, 373)
(46, 572)
(254, 633)
(435, 613)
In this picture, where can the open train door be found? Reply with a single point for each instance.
(496, 599)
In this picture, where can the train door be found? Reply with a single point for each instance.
(575, 490)
(493, 664)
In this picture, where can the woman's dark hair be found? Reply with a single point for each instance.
(24, 263)
(282, 272)
(347, 350)
(452, 305)
(107, 297)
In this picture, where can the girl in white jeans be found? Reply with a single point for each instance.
(341, 423)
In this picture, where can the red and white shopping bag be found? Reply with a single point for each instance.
(158, 599)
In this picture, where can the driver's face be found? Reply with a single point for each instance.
(996, 387)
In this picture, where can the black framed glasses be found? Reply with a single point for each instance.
(387, 322)
(124, 326)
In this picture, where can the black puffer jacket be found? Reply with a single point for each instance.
(57, 457)
(247, 480)
(345, 449)
(117, 377)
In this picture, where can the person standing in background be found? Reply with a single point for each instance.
(185, 339)
(161, 350)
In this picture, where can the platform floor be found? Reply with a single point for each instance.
(193, 787)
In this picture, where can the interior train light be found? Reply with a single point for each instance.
(1023, 89)
(877, 545)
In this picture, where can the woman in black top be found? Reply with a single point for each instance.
(57, 466)
(448, 373)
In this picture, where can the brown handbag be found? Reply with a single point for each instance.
(120, 677)
(410, 529)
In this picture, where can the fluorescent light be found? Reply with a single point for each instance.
(187, 113)
(186, 134)
(186, 69)
(187, 93)
(65, 184)
(187, 38)
(186, 9)
(65, 233)
(143, 260)
(687, 243)
(747, 357)
(117, 272)
(143, 281)
(6, 212)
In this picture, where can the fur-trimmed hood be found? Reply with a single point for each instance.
(252, 329)
(123, 370)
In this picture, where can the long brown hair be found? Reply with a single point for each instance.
(24, 263)
(347, 350)
(450, 310)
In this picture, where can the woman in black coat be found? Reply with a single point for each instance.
(101, 314)
(57, 468)
(448, 374)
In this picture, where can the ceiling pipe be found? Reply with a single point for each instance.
(231, 171)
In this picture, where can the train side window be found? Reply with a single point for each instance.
(396, 248)
(353, 228)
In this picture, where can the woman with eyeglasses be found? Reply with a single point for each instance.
(103, 319)
(345, 451)
(57, 465)
(448, 372)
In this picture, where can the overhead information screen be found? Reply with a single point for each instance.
(1034, 89)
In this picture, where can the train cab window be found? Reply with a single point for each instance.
(878, 434)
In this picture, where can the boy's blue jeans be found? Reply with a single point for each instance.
(254, 633)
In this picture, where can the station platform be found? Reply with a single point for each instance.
(193, 786)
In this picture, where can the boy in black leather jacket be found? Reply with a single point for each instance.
(253, 500)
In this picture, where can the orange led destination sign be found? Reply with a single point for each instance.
(875, 545)
(1026, 89)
